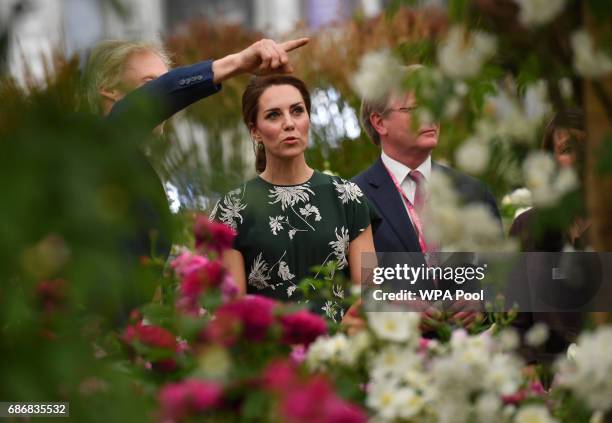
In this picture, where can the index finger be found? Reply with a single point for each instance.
(293, 44)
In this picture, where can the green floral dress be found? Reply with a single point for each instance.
(283, 231)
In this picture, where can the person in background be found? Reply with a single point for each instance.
(396, 182)
(565, 138)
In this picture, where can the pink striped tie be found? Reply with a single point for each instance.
(419, 194)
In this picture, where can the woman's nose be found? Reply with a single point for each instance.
(288, 123)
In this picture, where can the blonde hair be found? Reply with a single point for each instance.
(105, 66)
(379, 105)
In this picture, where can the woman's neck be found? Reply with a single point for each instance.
(286, 171)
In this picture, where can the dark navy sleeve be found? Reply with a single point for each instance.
(161, 98)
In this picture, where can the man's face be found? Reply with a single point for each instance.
(401, 133)
(140, 68)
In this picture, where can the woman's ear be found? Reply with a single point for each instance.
(254, 133)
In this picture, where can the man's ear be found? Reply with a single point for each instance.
(378, 124)
(112, 95)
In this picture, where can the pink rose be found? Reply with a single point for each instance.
(192, 396)
(280, 376)
(255, 314)
(151, 336)
(217, 236)
(302, 327)
(306, 403)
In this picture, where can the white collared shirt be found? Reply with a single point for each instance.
(400, 172)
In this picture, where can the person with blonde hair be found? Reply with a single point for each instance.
(116, 68)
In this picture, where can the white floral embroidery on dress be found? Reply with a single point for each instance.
(332, 308)
(289, 196)
(230, 209)
(349, 191)
(283, 271)
(276, 223)
(309, 209)
(340, 247)
(259, 275)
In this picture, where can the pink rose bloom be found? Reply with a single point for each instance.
(338, 411)
(302, 327)
(315, 401)
(151, 336)
(280, 377)
(298, 354)
(306, 403)
(222, 330)
(214, 235)
(179, 400)
(229, 289)
(255, 314)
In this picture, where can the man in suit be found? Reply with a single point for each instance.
(395, 184)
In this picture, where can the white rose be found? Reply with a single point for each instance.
(379, 73)
(533, 414)
(537, 335)
(473, 156)
(588, 61)
(539, 12)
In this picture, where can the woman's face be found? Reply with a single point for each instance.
(566, 143)
(282, 122)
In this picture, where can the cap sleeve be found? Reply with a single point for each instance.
(359, 213)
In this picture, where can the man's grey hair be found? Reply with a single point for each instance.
(379, 105)
(106, 64)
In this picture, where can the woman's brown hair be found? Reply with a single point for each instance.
(566, 119)
(250, 101)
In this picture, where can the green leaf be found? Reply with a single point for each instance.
(457, 10)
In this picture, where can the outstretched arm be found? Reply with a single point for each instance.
(161, 98)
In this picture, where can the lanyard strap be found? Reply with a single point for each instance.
(414, 216)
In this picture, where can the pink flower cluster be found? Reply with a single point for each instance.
(534, 390)
(212, 235)
(252, 318)
(191, 396)
(154, 337)
(198, 275)
(307, 400)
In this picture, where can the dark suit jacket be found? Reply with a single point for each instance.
(395, 233)
(145, 108)
(168, 94)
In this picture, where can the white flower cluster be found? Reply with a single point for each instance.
(446, 222)
(461, 54)
(379, 73)
(520, 197)
(412, 379)
(546, 184)
(473, 156)
(539, 12)
(589, 373)
(589, 61)
(327, 352)
(515, 119)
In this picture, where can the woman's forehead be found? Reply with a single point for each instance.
(280, 96)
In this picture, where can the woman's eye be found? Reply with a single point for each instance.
(272, 115)
(298, 110)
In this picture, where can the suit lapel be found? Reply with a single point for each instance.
(390, 205)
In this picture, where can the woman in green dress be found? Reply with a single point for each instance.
(291, 217)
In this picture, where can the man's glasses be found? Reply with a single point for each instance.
(407, 109)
